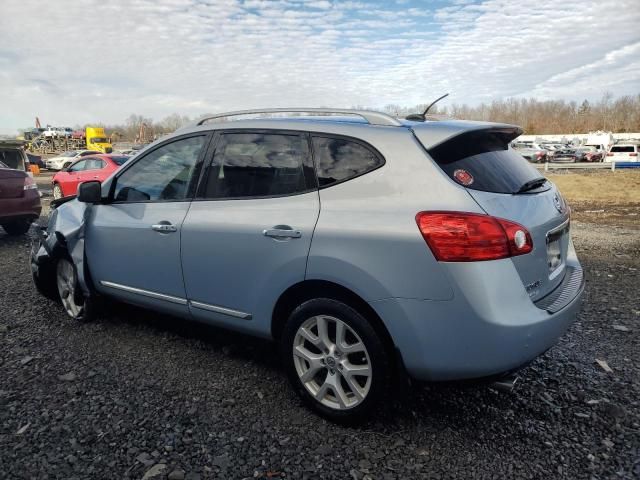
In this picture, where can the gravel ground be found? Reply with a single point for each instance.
(135, 394)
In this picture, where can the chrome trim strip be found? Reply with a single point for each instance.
(562, 226)
(223, 310)
(146, 293)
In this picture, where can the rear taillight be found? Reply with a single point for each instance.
(29, 183)
(633, 154)
(471, 237)
(609, 154)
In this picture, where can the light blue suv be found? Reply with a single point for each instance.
(363, 244)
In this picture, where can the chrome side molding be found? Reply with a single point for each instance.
(225, 311)
(146, 293)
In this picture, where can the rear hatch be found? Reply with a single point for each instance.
(11, 183)
(623, 153)
(505, 185)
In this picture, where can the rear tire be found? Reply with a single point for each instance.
(335, 360)
(17, 227)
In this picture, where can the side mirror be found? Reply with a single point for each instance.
(90, 192)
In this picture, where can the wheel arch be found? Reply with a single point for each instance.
(309, 289)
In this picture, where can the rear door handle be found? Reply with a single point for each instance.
(164, 227)
(282, 233)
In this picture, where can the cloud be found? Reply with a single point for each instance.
(106, 60)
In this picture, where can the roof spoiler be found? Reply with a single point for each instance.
(487, 138)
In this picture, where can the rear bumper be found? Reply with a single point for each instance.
(27, 207)
(490, 327)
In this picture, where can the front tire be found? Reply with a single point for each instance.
(335, 360)
(57, 191)
(75, 303)
(17, 227)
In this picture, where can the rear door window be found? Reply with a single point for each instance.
(258, 164)
(339, 159)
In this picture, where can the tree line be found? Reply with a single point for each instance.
(537, 117)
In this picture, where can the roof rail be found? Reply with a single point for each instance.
(372, 117)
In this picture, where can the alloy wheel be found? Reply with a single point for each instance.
(57, 191)
(67, 288)
(332, 362)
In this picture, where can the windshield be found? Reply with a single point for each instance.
(120, 160)
(99, 140)
(69, 154)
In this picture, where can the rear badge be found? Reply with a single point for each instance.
(463, 177)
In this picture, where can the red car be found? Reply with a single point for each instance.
(95, 167)
(19, 200)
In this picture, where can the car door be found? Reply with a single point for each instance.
(133, 239)
(72, 177)
(92, 169)
(247, 235)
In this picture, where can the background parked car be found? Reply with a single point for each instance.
(624, 152)
(588, 153)
(532, 152)
(19, 200)
(67, 158)
(94, 167)
(566, 155)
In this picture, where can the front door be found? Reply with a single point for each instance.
(247, 236)
(133, 241)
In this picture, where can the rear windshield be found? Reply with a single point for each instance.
(120, 160)
(12, 159)
(627, 149)
(486, 157)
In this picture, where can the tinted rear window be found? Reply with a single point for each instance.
(627, 149)
(120, 160)
(486, 157)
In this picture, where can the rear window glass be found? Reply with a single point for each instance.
(485, 157)
(12, 158)
(621, 149)
(120, 160)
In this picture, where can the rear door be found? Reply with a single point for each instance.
(506, 186)
(246, 237)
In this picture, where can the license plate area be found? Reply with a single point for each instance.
(554, 247)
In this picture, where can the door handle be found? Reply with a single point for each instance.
(282, 233)
(164, 228)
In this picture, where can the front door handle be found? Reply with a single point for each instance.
(164, 227)
(282, 232)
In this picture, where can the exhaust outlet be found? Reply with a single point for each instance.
(505, 384)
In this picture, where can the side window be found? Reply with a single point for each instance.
(94, 164)
(84, 154)
(259, 165)
(78, 166)
(162, 174)
(339, 159)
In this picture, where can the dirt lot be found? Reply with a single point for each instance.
(135, 392)
(602, 196)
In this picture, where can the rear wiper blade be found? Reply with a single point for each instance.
(532, 184)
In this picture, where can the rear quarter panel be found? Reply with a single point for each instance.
(367, 238)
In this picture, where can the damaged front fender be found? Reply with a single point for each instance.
(63, 236)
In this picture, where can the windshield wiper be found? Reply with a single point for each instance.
(532, 184)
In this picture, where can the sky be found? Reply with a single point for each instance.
(75, 62)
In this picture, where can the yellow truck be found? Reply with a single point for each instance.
(97, 140)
